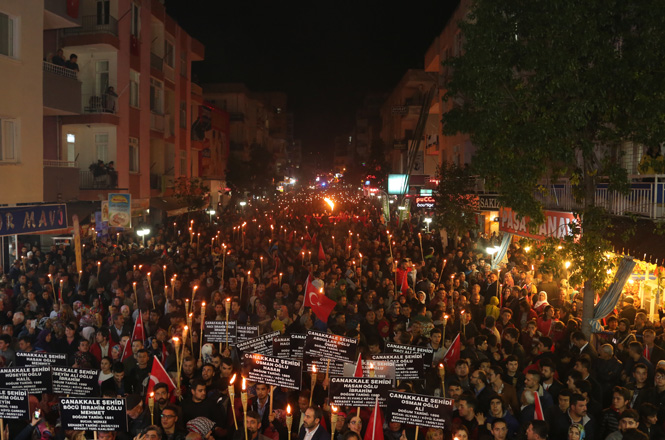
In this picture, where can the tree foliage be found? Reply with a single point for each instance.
(455, 205)
(193, 191)
(553, 89)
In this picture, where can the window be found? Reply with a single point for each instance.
(102, 76)
(7, 35)
(103, 11)
(136, 20)
(134, 88)
(133, 155)
(169, 53)
(71, 147)
(102, 146)
(156, 96)
(8, 140)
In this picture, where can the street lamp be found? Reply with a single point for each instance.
(427, 221)
(142, 233)
(492, 250)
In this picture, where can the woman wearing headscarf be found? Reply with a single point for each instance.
(541, 303)
(43, 342)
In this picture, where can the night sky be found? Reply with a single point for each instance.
(325, 55)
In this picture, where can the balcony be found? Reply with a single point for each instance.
(92, 24)
(97, 32)
(236, 117)
(645, 199)
(61, 180)
(104, 103)
(169, 73)
(157, 122)
(156, 62)
(91, 181)
(62, 90)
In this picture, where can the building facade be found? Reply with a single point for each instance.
(110, 113)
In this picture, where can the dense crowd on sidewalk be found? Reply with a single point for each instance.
(525, 371)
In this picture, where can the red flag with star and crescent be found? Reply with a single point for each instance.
(73, 8)
(138, 334)
(320, 304)
(453, 354)
(158, 374)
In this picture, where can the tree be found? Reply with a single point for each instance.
(455, 205)
(550, 89)
(193, 191)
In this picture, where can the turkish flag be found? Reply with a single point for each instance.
(375, 425)
(453, 354)
(320, 304)
(359, 367)
(538, 413)
(322, 255)
(73, 8)
(158, 374)
(138, 334)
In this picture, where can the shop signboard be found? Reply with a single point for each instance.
(19, 220)
(120, 210)
(556, 224)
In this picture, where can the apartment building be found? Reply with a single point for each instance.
(399, 117)
(134, 109)
(257, 120)
(458, 148)
(117, 120)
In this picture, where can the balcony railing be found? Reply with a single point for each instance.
(157, 122)
(104, 181)
(60, 163)
(103, 103)
(59, 70)
(156, 62)
(646, 197)
(236, 117)
(169, 72)
(92, 24)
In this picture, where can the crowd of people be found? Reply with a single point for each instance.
(526, 370)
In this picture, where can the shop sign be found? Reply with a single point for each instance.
(488, 202)
(557, 224)
(425, 202)
(120, 210)
(17, 220)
